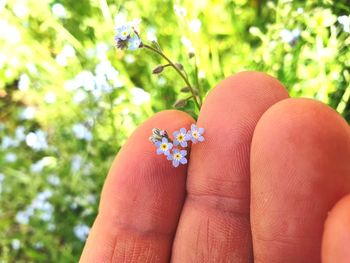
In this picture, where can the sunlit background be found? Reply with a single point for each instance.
(69, 99)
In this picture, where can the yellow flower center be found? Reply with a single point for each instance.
(195, 134)
(124, 33)
(180, 137)
(164, 146)
(177, 156)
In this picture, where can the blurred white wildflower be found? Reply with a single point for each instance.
(50, 97)
(54, 180)
(101, 51)
(151, 34)
(23, 83)
(23, 217)
(79, 96)
(139, 96)
(161, 81)
(39, 245)
(20, 133)
(27, 113)
(201, 74)
(2, 4)
(81, 231)
(129, 58)
(77, 162)
(8, 142)
(58, 10)
(195, 25)
(20, 9)
(68, 51)
(9, 32)
(37, 140)
(81, 132)
(61, 60)
(51, 226)
(345, 22)
(290, 37)
(38, 166)
(15, 244)
(2, 177)
(85, 79)
(180, 11)
(188, 44)
(10, 157)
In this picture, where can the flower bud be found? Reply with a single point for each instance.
(180, 103)
(158, 69)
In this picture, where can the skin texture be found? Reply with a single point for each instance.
(336, 237)
(258, 189)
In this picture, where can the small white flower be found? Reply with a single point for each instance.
(15, 244)
(20, 133)
(81, 132)
(50, 97)
(139, 96)
(28, 113)
(23, 83)
(195, 25)
(37, 140)
(11, 157)
(77, 162)
(345, 22)
(81, 231)
(8, 142)
(54, 180)
(180, 11)
(59, 11)
(22, 217)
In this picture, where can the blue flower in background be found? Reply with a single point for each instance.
(177, 157)
(164, 146)
(135, 43)
(123, 32)
(127, 35)
(181, 137)
(196, 134)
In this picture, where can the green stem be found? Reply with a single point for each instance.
(177, 70)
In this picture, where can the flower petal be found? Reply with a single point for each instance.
(201, 138)
(175, 163)
(159, 151)
(183, 152)
(183, 130)
(193, 127)
(183, 160)
(201, 130)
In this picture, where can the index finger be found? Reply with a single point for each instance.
(141, 200)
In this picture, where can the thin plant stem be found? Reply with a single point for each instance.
(177, 70)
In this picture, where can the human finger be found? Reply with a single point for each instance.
(141, 200)
(214, 224)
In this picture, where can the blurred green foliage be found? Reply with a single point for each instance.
(69, 99)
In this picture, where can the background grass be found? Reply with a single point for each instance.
(69, 99)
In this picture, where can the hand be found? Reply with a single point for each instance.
(259, 188)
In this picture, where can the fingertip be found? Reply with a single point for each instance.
(299, 168)
(336, 236)
(141, 199)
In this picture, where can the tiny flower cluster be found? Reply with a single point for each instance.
(171, 148)
(127, 35)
